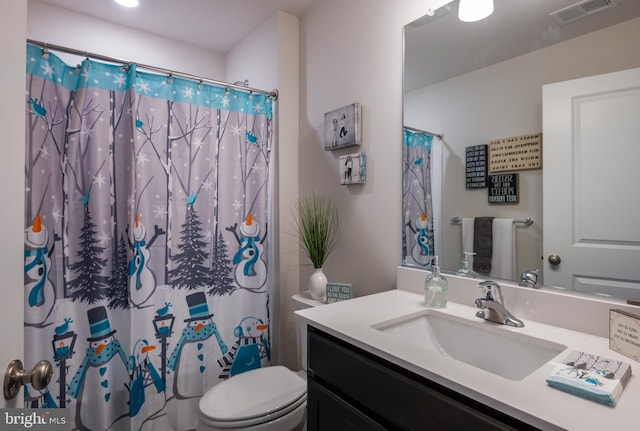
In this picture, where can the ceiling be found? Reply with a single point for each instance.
(217, 25)
(441, 47)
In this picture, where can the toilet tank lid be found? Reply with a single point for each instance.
(253, 394)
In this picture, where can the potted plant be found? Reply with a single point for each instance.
(316, 220)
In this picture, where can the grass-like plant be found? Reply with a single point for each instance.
(316, 221)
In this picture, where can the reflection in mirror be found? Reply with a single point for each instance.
(483, 81)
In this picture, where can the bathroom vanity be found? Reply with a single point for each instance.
(349, 388)
(384, 362)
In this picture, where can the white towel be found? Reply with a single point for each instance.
(467, 238)
(503, 255)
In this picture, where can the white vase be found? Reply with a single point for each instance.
(317, 285)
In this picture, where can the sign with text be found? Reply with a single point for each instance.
(503, 189)
(516, 153)
(476, 165)
(339, 292)
(624, 333)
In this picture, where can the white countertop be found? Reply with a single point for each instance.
(529, 400)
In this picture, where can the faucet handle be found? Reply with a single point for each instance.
(491, 290)
(530, 278)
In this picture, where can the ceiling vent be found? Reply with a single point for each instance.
(581, 10)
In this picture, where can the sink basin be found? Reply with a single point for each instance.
(484, 345)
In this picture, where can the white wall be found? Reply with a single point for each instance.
(506, 100)
(13, 19)
(352, 52)
(287, 174)
(54, 25)
(247, 59)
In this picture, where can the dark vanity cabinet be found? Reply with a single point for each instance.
(351, 389)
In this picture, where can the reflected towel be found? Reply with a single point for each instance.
(482, 244)
(503, 259)
(467, 238)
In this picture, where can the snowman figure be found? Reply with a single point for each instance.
(420, 251)
(251, 270)
(39, 292)
(100, 383)
(142, 282)
(188, 359)
(248, 350)
(143, 374)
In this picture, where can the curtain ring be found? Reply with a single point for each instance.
(44, 53)
(170, 78)
(200, 84)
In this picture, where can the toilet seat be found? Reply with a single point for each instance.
(253, 397)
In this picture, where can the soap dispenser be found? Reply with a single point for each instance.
(464, 270)
(435, 288)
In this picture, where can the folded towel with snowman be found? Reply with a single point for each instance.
(590, 376)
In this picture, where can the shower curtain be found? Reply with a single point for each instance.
(146, 256)
(417, 208)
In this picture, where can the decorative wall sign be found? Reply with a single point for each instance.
(352, 169)
(503, 189)
(342, 127)
(339, 292)
(624, 333)
(516, 154)
(476, 164)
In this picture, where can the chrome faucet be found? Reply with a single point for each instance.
(530, 278)
(492, 306)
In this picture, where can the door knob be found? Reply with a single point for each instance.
(15, 377)
(554, 259)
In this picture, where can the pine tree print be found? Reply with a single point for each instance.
(118, 293)
(190, 271)
(221, 282)
(89, 286)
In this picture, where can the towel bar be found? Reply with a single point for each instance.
(526, 222)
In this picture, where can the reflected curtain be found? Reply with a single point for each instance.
(146, 256)
(417, 208)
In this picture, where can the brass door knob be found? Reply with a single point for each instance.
(554, 259)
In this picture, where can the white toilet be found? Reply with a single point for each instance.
(265, 399)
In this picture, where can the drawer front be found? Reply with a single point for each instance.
(394, 396)
(327, 411)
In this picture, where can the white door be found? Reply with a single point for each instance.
(591, 187)
(13, 28)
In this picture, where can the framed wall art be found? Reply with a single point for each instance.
(352, 169)
(342, 127)
(516, 153)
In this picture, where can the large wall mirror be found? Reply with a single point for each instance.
(483, 81)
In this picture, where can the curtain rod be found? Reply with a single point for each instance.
(437, 135)
(47, 46)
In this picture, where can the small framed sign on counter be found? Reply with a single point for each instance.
(339, 292)
(624, 333)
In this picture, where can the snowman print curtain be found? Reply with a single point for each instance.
(146, 240)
